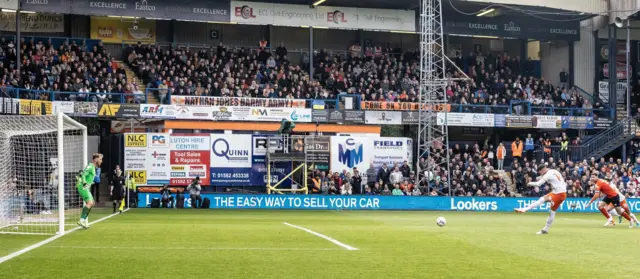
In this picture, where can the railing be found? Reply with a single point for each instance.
(33, 94)
(49, 95)
(56, 41)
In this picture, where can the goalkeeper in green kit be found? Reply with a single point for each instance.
(83, 183)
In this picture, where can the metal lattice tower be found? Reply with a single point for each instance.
(433, 81)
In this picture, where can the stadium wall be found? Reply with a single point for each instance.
(324, 202)
(554, 57)
(584, 64)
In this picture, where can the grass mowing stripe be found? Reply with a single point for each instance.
(345, 246)
(197, 248)
(48, 240)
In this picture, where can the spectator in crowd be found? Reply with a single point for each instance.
(529, 146)
(384, 174)
(516, 149)
(564, 79)
(396, 176)
(396, 190)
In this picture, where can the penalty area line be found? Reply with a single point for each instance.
(50, 239)
(334, 241)
(197, 248)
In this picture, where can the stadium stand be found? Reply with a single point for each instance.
(498, 85)
(64, 71)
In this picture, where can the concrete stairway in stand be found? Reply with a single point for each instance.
(511, 186)
(151, 99)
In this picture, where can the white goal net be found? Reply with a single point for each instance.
(40, 157)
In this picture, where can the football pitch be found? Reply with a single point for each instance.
(169, 243)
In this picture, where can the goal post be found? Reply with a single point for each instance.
(40, 157)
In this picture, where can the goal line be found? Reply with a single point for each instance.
(48, 240)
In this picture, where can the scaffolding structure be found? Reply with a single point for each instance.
(433, 82)
(281, 149)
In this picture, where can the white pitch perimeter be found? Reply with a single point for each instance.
(336, 242)
(48, 240)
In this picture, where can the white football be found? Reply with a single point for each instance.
(441, 221)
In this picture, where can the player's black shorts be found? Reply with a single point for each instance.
(612, 200)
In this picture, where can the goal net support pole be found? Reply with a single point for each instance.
(61, 118)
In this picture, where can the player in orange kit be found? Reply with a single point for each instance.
(611, 197)
(625, 206)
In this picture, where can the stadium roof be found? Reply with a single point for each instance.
(448, 7)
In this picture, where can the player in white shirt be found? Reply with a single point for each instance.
(556, 197)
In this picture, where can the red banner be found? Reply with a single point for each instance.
(187, 164)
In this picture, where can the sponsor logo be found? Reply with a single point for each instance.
(108, 5)
(221, 148)
(161, 140)
(157, 155)
(512, 27)
(143, 6)
(259, 112)
(178, 174)
(473, 205)
(177, 168)
(135, 140)
(245, 12)
(336, 17)
(388, 144)
(139, 176)
(194, 174)
(109, 110)
(197, 168)
(295, 116)
(222, 113)
(350, 153)
(157, 109)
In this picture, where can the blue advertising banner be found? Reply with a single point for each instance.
(322, 202)
(577, 122)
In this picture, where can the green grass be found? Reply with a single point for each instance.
(145, 243)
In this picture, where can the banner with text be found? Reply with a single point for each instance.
(196, 10)
(146, 158)
(40, 22)
(359, 152)
(465, 119)
(220, 113)
(621, 91)
(326, 202)
(230, 160)
(322, 16)
(190, 158)
(115, 30)
(511, 27)
(375, 105)
(237, 102)
(35, 107)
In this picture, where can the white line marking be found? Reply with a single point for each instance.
(345, 246)
(48, 240)
(197, 248)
